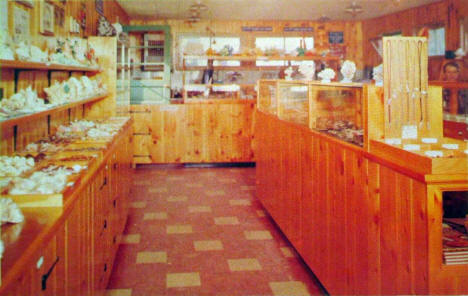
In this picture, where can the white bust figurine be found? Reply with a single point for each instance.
(348, 69)
(307, 68)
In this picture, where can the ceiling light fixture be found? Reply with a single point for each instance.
(354, 9)
(323, 19)
(195, 11)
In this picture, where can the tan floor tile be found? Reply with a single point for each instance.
(155, 216)
(208, 245)
(248, 187)
(288, 252)
(119, 292)
(158, 190)
(151, 257)
(178, 280)
(138, 204)
(178, 229)
(226, 220)
(240, 202)
(177, 198)
(215, 192)
(175, 178)
(131, 239)
(257, 235)
(261, 213)
(199, 209)
(246, 264)
(194, 185)
(292, 288)
(208, 174)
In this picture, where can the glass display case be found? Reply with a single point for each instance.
(123, 78)
(337, 111)
(267, 97)
(293, 101)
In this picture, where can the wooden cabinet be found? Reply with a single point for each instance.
(216, 131)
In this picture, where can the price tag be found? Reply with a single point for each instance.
(412, 147)
(429, 140)
(409, 132)
(393, 141)
(434, 153)
(450, 146)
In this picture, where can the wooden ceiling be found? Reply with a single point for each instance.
(265, 9)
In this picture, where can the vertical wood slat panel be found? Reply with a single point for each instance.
(362, 223)
(194, 133)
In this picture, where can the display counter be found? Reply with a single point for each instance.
(194, 131)
(69, 248)
(367, 219)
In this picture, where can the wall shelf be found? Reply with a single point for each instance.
(9, 121)
(7, 64)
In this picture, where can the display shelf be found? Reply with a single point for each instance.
(8, 64)
(22, 118)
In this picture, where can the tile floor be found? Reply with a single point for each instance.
(201, 231)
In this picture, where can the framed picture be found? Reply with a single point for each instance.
(21, 22)
(28, 3)
(47, 17)
(4, 15)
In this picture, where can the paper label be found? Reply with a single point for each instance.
(429, 140)
(412, 147)
(409, 132)
(450, 146)
(393, 141)
(434, 153)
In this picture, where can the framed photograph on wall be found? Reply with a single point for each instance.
(59, 16)
(47, 17)
(21, 24)
(28, 3)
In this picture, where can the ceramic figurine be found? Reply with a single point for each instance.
(326, 75)
(37, 55)
(378, 75)
(348, 69)
(307, 68)
(22, 52)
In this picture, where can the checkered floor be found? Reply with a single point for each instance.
(201, 231)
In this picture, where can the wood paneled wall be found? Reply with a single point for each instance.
(352, 31)
(445, 13)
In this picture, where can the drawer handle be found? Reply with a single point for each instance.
(114, 203)
(116, 166)
(460, 133)
(46, 276)
(105, 267)
(103, 184)
(105, 224)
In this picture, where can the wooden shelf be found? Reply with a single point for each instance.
(7, 64)
(27, 117)
(262, 58)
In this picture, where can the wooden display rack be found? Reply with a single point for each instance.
(411, 133)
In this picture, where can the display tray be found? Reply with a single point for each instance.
(446, 156)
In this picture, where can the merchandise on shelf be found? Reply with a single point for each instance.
(326, 75)
(74, 90)
(343, 129)
(10, 212)
(348, 69)
(6, 52)
(12, 166)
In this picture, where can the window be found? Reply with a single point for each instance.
(284, 45)
(197, 45)
(436, 42)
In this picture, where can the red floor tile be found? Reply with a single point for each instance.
(216, 188)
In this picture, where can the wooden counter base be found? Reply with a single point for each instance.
(197, 132)
(362, 224)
